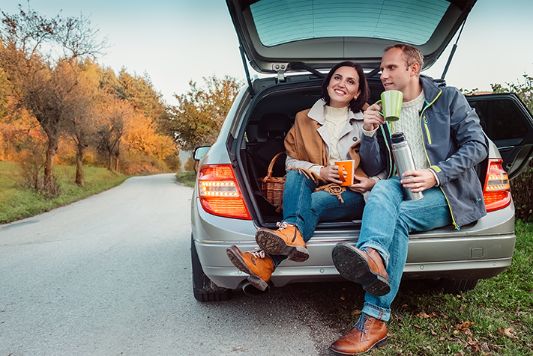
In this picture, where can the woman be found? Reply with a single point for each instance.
(330, 131)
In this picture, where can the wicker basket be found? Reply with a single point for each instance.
(272, 187)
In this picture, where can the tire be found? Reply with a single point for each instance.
(457, 285)
(203, 288)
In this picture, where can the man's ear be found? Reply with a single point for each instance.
(415, 69)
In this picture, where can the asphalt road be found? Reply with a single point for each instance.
(111, 275)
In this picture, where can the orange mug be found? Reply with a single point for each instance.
(345, 172)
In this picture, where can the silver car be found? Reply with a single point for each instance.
(294, 43)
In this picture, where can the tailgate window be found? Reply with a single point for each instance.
(411, 21)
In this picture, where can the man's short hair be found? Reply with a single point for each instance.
(412, 54)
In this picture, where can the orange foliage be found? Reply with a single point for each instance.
(140, 136)
(17, 134)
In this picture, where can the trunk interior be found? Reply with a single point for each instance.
(272, 115)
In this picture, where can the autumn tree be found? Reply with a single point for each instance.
(5, 92)
(140, 92)
(200, 112)
(32, 42)
(146, 149)
(114, 113)
(80, 113)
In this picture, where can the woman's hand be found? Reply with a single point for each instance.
(364, 185)
(372, 117)
(330, 174)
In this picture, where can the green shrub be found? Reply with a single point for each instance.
(522, 190)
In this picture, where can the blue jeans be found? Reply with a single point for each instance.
(387, 221)
(304, 208)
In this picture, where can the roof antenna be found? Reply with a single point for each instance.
(452, 52)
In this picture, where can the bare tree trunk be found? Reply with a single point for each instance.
(116, 163)
(80, 179)
(50, 153)
(36, 179)
(110, 161)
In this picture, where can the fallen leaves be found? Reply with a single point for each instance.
(464, 325)
(464, 328)
(425, 315)
(508, 332)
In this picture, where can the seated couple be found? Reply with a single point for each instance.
(447, 142)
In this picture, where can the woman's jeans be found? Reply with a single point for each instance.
(304, 208)
(387, 221)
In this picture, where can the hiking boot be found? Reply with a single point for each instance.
(286, 241)
(367, 334)
(363, 267)
(258, 265)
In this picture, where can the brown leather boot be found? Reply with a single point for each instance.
(287, 241)
(368, 333)
(363, 267)
(258, 265)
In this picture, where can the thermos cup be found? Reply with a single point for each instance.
(404, 160)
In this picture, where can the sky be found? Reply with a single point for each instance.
(176, 41)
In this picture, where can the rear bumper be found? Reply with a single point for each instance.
(481, 250)
(226, 275)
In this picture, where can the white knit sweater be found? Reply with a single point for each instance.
(409, 124)
(336, 119)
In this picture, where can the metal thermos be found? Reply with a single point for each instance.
(404, 160)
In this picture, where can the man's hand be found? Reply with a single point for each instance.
(418, 180)
(330, 174)
(372, 117)
(364, 185)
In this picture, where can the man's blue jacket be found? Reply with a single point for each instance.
(454, 145)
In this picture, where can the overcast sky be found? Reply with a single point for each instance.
(175, 41)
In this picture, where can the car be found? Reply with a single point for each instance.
(291, 44)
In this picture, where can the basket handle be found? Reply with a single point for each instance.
(272, 163)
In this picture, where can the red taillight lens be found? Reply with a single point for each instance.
(219, 192)
(497, 191)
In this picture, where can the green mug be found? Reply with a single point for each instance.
(391, 104)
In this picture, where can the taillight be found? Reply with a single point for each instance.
(219, 192)
(497, 191)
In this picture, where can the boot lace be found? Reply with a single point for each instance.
(258, 253)
(282, 225)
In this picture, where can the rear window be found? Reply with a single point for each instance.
(501, 119)
(411, 21)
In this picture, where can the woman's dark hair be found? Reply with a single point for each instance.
(364, 92)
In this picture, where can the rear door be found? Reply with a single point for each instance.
(509, 124)
(276, 34)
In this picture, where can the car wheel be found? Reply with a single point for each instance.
(204, 289)
(457, 285)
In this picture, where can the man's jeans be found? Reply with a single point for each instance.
(304, 208)
(387, 221)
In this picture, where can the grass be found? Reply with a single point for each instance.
(186, 178)
(17, 202)
(495, 318)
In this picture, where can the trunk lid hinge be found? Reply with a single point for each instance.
(280, 68)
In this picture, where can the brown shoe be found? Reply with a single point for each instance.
(365, 268)
(367, 334)
(286, 241)
(258, 265)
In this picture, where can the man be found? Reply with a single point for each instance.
(447, 143)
